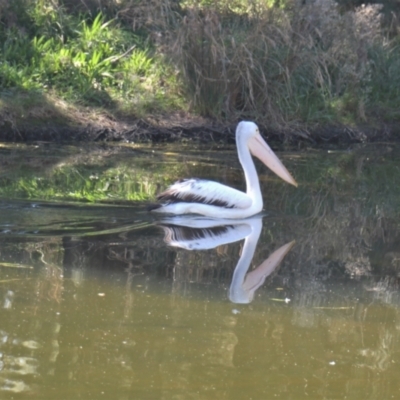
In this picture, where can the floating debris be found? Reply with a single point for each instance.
(285, 300)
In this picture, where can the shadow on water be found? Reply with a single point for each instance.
(109, 301)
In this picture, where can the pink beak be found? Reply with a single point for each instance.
(259, 148)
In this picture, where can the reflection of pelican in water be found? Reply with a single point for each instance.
(202, 233)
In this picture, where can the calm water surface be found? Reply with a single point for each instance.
(101, 300)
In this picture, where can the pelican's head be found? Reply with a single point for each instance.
(248, 134)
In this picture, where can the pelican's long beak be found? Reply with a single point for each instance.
(263, 152)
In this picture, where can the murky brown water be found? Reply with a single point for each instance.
(101, 300)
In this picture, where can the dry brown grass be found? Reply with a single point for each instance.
(281, 67)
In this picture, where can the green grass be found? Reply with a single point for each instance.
(89, 62)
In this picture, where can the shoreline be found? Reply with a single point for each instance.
(173, 129)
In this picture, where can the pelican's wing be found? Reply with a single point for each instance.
(205, 192)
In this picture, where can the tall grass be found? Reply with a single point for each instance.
(303, 64)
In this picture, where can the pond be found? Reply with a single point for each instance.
(100, 299)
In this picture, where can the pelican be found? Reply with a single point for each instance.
(212, 199)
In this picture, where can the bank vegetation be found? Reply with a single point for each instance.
(295, 67)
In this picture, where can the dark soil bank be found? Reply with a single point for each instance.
(203, 131)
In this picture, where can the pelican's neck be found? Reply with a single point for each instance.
(249, 169)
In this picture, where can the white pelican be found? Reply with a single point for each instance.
(212, 199)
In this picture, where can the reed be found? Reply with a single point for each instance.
(298, 65)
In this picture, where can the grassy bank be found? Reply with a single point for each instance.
(292, 67)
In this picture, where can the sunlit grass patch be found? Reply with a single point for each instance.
(95, 62)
